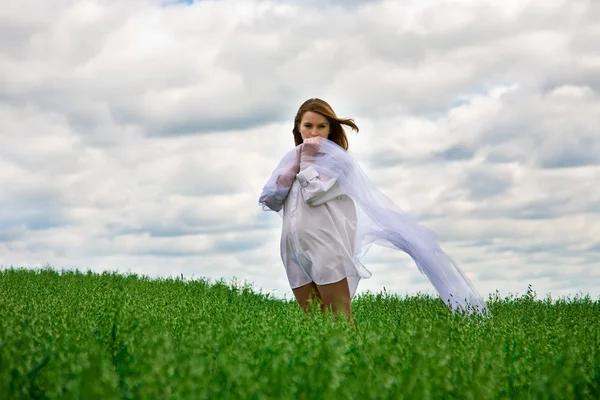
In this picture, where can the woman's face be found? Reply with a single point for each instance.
(313, 125)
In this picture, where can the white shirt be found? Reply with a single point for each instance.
(318, 233)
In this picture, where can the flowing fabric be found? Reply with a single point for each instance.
(379, 221)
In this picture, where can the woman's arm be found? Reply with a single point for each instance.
(276, 190)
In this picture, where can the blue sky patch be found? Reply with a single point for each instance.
(172, 3)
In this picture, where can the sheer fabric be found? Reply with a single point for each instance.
(378, 220)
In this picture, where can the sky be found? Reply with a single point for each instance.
(136, 136)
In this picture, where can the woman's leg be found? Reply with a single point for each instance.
(337, 296)
(306, 294)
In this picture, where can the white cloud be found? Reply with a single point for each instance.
(137, 136)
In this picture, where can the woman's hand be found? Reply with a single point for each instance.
(310, 146)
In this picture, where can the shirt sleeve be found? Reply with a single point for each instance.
(274, 195)
(274, 200)
(280, 182)
(316, 188)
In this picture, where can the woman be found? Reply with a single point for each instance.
(332, 213)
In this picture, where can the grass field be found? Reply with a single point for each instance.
(85, 335)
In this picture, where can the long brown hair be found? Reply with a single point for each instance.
(336, 133)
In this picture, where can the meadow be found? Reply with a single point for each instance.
(83, 335)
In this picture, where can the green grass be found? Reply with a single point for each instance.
(86, 335)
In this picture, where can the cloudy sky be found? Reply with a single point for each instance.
(137, 135)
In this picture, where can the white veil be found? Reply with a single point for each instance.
(381, 221)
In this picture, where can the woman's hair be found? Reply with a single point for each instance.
(336, 133)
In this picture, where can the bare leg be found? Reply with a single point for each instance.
(337, 296)
(307, 294)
